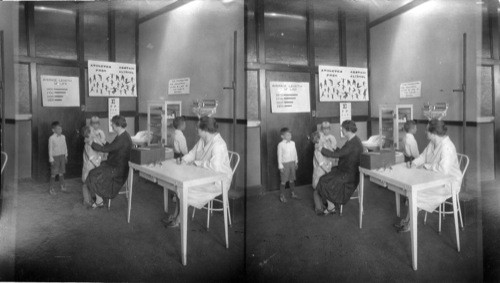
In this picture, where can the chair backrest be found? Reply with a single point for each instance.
(234, 160)
(5, 157)
(463, 162)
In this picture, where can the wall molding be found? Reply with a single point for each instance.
(219, 120)
(450, 123)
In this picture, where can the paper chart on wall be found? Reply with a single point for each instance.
(59, 91)
(113, 110)
(345, 114)
(112, 79)
(343, 83)
(289, 97)
(410, 89)
(179, 86)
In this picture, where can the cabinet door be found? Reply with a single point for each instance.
(386, 127)
(403, 113)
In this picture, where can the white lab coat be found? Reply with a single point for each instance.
(213, 156)
(441, 158)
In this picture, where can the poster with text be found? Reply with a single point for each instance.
(410, 90)
(113, 110)
(112, 79)
(290, 97)
(343, 83)
(179, 86)
(345, 114)
(58, 91)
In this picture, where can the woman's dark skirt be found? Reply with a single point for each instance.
(106, 181)
(337, 186)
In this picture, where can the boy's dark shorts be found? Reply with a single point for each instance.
(58, 166)
(288, 173)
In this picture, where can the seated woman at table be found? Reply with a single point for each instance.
(209, 152)
(107, 180)
(337, 186)
(440, 155)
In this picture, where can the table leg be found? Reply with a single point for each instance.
(413, 226)
(361, 193)
(165, 199)
(398, 202)
(454, 200)
(224, 207)
(183, 197)
(130, 186)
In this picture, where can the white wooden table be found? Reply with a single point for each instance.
(178, 178)
(407, 181)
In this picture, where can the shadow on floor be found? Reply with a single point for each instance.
(57, 239)
(289, 242)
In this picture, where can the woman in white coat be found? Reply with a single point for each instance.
(440, 155)
(210, 152)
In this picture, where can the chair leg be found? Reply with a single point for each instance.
(194, 210)
(440, 206)
(460, 213)
(229, 214)
(109, 204)
(425, 218)
(209, 211)
(341, 206)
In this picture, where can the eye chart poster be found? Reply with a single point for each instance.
(289, 97)
(179, 86)
(112, 79)
(343, 83)
(60, 91)
(345, 114)
(113, 110)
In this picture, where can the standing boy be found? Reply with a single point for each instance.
(180, 145)
(58, 156)
(410, 147)
(288, 163)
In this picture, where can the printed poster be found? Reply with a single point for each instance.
(290, 97)
(410, 90)
(345, 114)
(112, 79)
(343, 83)
(113, 110)
(58, 91)
(179, 86)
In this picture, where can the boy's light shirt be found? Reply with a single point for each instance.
(287, 153)
(57, 146)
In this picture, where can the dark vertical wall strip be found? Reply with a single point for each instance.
(311, 58)
(261, 59)
(111, 33)
(369, 122)
(80, 47)
(342, 35)
(30, 17)
(137, 70)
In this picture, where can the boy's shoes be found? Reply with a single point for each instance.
(295, 196)
(282, 198)
(64, 190)
(52, 192)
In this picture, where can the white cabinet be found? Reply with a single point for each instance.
(160, 117)
(391, 122)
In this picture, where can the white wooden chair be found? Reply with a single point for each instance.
(234, 160)
(463, 161)
(352, 197)
(123, 190)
